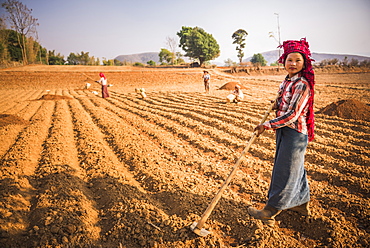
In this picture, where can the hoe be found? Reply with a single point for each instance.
(109, 85)
(197, 227)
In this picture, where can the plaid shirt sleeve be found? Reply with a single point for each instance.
(292, 105)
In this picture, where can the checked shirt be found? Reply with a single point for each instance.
(292, 105)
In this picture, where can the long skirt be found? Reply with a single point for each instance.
(104, 91)
(289, 186)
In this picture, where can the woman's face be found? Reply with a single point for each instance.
(294, 63)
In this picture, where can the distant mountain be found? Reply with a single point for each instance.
(139, 57)
(272, 56)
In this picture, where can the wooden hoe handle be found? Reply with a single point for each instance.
(215, 200)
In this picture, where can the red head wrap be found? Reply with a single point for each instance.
(102, 75)
(302, 46)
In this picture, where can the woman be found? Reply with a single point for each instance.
(104, 86)
(294, 126)
(236, 95)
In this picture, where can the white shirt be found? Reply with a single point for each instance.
(103, 81)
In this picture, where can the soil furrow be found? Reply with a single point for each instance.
(148, 159)
(197, 122)
(208, 114)
(18, 101)
(9, 132)
(126, 196)
(151, 152)
(11, 97)
(157, 216)
(206, 128)
(17, 170)
(131, 172)
(176, 148)
(61, 188)
(184, 132)
(208, 168)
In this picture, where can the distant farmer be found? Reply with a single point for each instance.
(236, 95)
(294, 126)
(206, 77)
(104, 86)
(141, 91)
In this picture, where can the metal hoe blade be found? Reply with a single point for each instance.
(200, 232)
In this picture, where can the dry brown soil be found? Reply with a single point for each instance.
(77, 170)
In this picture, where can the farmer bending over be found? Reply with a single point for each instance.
(236, 95)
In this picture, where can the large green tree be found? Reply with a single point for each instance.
(239, 39)
(198, 44)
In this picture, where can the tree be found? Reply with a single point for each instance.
(151, 63)
(230, 63)
(85, 59)
(12, 50)
(72, 59)
(258, 60)
(179, 59)
(55, 59)
(198, 44)
(116, 62)
(108, 62)
(172, 44)
(239, 38)
(165, 56)
(22, 22)
(3, 42)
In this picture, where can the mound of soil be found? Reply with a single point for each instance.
(54, 97)
(6, 119)
(348, 109)
(231, 86)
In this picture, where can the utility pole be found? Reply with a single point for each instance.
(277, 14)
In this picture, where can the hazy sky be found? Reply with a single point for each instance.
(108, 28)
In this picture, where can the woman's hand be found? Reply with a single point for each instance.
(275, 106)
(259, 129)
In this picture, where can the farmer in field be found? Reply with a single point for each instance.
(206, 78)
(236, 95)
(294, 126)
(104, 86)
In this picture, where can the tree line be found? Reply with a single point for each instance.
(345, 62)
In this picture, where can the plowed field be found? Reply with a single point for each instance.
(77, 170)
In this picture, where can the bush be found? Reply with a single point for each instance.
(138, 64)
(151, 63)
